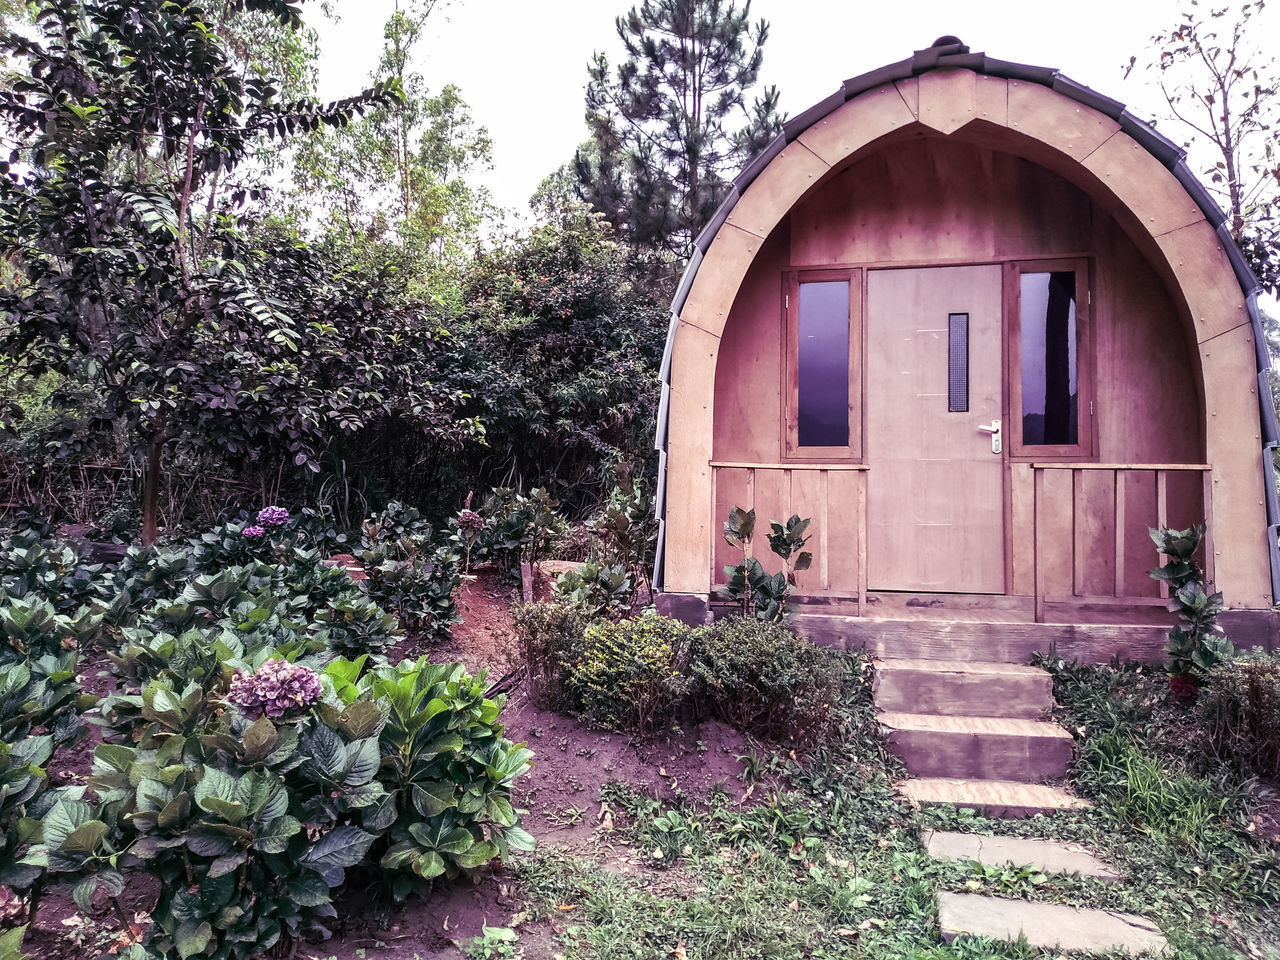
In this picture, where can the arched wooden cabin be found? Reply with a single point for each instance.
(984, 327)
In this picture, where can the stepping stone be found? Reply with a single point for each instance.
(988, 748)
(1049, 856)
(992, 798)
(964, 688)
(1047, 925)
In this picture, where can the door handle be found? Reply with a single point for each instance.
(993, 428)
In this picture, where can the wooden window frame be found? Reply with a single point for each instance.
(1083, 449)
(792, 452)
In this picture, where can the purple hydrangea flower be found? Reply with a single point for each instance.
(279, 687)
(273, 516)
(470, 520)
(253, 532)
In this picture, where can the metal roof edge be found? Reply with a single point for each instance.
(686, 281)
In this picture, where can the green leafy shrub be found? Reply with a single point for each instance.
(597, 590)
(550, 637)
(446, 768)
(630, 675)
(760, 677)
(518, 528)
(1240, 707)
(1197, 644)
(52, 570)
(250, 823)
(44, 695)
(625, 534)
(416, 583)
(31, 628)
(352, 626)
(758, 592)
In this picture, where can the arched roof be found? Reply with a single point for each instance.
(951, 53)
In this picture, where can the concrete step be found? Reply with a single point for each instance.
(916, 639)
(988, 748)
(991, 798)
(1047, 856)
(1047, 925)
(963, 688)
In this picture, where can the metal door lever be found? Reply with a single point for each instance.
(992, 428)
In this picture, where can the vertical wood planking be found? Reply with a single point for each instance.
(772, 504)
(1119, 507)
(1077, 534)
(808, 499)
(1140, 515)
(1037, 496)
(1206, 482)
(733, 488)
(844, 515)
(1162, 517)
(1054, 533)
(1022, 529)
(1095, 532)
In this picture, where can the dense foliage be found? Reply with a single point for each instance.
(245, 763)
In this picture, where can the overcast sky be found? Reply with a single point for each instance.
(522, 64)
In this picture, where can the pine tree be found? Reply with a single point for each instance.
(671, 125)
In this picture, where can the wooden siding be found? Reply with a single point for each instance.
(1180, 355)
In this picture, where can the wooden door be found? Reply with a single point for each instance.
(935, 496)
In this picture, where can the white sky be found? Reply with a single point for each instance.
(522, 64)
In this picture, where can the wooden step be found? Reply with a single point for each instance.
(963, 688)
(991, 798)
(989, 748)
(918, 639)
(1050, 926)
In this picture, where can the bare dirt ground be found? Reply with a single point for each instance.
(560, 794)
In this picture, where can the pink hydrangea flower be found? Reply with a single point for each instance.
(253, 532)
(278, 688)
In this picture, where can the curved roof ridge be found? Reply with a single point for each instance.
(950, 52)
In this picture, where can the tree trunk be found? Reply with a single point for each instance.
(151, 480)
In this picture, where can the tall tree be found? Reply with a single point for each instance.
(671, 125)
(397, 180)
(131, 274)
(1222, 90)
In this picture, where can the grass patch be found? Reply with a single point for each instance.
(822, 860)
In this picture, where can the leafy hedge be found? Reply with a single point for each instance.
(640, 673)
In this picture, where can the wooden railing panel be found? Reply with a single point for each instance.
(833, 496)
(1091, 528)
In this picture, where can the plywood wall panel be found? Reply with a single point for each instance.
(1148, 406)
(931, 199)
(1040, 113)
(748, 384)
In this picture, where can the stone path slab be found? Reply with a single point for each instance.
(1047, 925)
(1049, 856)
